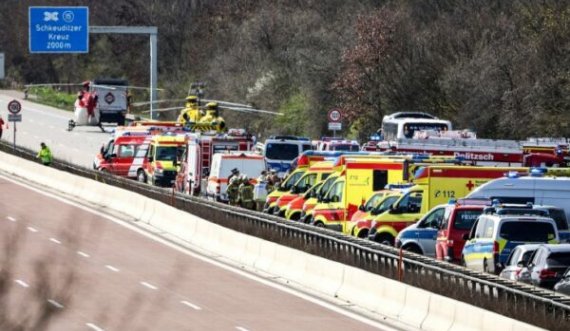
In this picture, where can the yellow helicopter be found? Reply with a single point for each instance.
(196, 119)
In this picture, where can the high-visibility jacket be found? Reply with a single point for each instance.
(45, 155)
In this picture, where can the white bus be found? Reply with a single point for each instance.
(402, 125)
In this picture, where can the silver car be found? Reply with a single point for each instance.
(517, 261)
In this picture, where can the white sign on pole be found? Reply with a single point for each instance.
(1, 65)
(335, 126)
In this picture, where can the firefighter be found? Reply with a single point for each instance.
(234, 173)
(45, 155)
(273, 181)
(246, 193)
(233, 190)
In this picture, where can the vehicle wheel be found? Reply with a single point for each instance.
(320, 225)
(141, 176)
(363, 234)
(413, 249)
(295, 217)
(385, 239)
(308, 219)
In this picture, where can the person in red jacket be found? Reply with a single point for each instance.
(1, 126)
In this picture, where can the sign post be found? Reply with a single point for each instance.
(335, 118)
(14, 107)
(58, 29)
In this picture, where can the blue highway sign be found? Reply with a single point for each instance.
(58, 29)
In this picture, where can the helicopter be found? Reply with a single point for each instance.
(203, 115)
(99, 101)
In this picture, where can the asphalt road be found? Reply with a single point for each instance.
(89, 271)
(48, 124)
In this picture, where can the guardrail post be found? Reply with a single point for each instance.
(400, 262)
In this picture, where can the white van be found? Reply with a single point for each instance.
(249, 164)
(552, 191)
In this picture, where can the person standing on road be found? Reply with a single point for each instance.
(1, 126)
(45, 155)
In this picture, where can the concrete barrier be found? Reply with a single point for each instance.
(410, 305)
(441, 314)
(416, 305)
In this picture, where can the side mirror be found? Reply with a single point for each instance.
(175, 162)
(520, 265)
(150, 159)
(102, 150)
(294, 189)
(361, 208)
(325, 200)
(465, 236)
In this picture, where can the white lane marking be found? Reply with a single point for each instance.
(55, 240)
(152, 287)
(55, 303)
(320, 302)
(82, 254)
(32, 229)
(94, 327)
(21, 283)
(241, 328)
(110, 267)
(191, 305)
(11, 219)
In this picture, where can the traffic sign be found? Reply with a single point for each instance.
(14, 117)
(334, 115)
(14, 106)
(335, 126)
(58, 29)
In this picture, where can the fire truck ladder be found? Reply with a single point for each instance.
(206, 153)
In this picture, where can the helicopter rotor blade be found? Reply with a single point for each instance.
(253, 110)
(146, 103)
(163, 110)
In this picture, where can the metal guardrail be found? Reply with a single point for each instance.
(520, 301)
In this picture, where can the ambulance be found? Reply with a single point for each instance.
(160, 164)
(117, 156)
(310, 203)
(294, 208)
(357, 180)
(314, 174)
(436, 184)
(304, 161)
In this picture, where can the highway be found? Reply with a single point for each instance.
(90, 271)
(48, 124)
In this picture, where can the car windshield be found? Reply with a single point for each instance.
(559, 259)
(274, 151)
(292, 179)
(166, 153)
(465, 218)
(527, 231)
(386, 203)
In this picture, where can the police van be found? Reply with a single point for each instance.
(280, 151)
(535, 189)
(498, 231)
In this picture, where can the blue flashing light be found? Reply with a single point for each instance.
(495, 202)
(375, 137)
(537, 172)
(513, 174)
(398, 186)
(451, 202)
